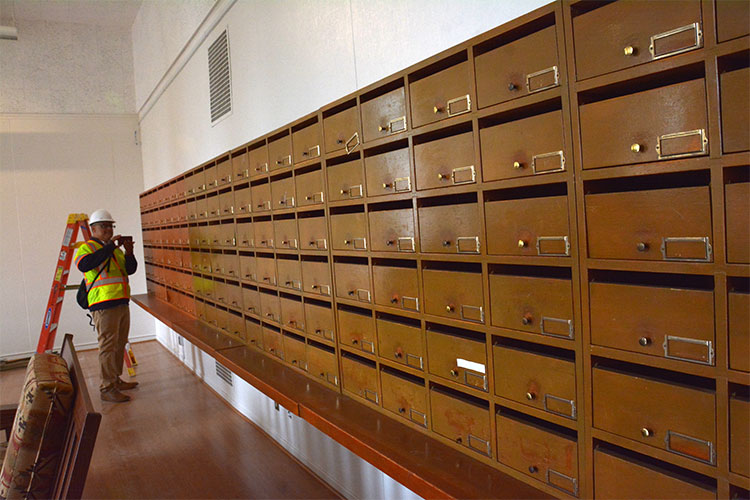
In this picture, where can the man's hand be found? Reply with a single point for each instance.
(117, 240)
(128, 245)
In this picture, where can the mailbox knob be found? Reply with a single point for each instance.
(533, 469)
(446, 243)
(389, 243)
(459, 440)
(339, 141)
(530, 396)
(347, 242)
(294, 361)
(635, 148)
(629, 50)
(399, 353)
(402, 410)
(522, 244)
(382, 128)
(318, 331)
(642, 246)
(278, 162)
(355, 341)
(454, 373)
(517, 164)
(351, 292)
(436, 109)
(305, 153)
(343, 191)
(386, 185)
(526, 319)
(314, 287)
(442, 176)
(449, 308)
(394, 300)
(644, 341)
(312, 243)
(646, 432)
(512, 86)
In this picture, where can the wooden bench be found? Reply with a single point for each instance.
(80, 430)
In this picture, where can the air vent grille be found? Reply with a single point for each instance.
(219, 77)
(223, 373)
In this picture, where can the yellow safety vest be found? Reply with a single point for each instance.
(112, 283)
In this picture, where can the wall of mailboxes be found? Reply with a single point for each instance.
(533, 246)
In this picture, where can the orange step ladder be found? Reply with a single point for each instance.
(76, 223)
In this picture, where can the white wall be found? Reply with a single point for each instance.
(67, 68)
(50, 166)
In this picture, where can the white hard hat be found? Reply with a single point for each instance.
(100, 215)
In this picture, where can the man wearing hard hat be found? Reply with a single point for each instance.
(106, 269)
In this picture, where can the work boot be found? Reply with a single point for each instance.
(125, 386)
(114, 396)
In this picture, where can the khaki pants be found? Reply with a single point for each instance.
(112, 326)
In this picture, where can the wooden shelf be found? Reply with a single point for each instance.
(419, 462)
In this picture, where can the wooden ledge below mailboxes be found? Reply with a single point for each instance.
(419, 462)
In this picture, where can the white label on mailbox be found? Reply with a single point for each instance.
(470, 365)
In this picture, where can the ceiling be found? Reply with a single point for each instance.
(115, 13)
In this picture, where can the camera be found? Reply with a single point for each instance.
(126, 239)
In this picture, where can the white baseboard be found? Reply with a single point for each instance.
(83, 346)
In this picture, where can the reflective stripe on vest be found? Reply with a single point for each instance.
(112, 282)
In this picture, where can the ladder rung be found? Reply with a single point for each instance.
(53, 327)
(66, 271)
(60, 299)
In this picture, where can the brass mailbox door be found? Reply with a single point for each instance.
(258, 161)
(263, 233)
(544, 382)
(247, 268)
(739, 436)
(388, 173)
(289, 273)
(392, 230)
(532, 304)
(460, 359)
(216, 263)
(319, 320)
(322, 364)
(349, 231)
(520, 148)
(384, 115)
(352, 281)
(357, 330)
(234, 296)
(214, 206)
(658, 224)
(243, 202)
(212, 180)
(445, 162)
(282, 193)
(310, 188)
(224, 172)
(316, 277)
(226, 204)
(396, 287)
(441, 95)
(341, 130)
(295, 352)
(292, 313)
(273, 342)
(253, 333)
(519, 68)
(735, 90)
(660, 321)
(615, 477)
(658, 124)
(240, 168)
(360, 379)
(452, 294)
(313, 233)
(652, 412)
(236, 326)
(232, 266)
(251, 301)
(737, 204)
(285, 233)
(739, 333)
(261, 197)
(269, 306)
(462, 421)
(346, 181)
(405, 398)
(529, 226)
(280, 152)
(544, 455)
(245, 235)
(731, 19)
(644, 33)
(266, 270)
(400, 343)
(306, 143)
(450, 228)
